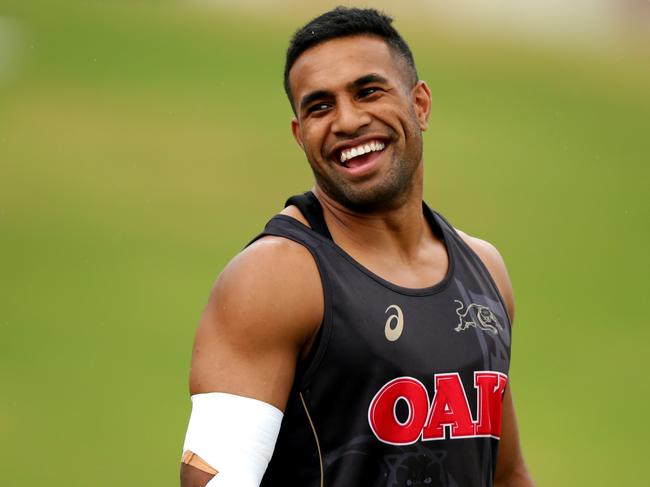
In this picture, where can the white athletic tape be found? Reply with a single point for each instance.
(235, 435)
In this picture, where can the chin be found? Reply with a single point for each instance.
(372, 199)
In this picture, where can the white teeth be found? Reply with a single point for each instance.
(361, 149)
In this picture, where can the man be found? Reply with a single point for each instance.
(359, 340)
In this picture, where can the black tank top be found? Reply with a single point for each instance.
(403, 387)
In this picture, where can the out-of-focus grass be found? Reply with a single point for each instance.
(142, 144)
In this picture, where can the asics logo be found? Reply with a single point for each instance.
(394, 323)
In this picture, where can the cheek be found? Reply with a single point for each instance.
(312, 136)
(411, 123)
(401, 119)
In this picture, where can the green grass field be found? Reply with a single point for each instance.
(142, 144)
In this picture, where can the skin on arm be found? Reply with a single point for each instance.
(261, 318)
(511, 470)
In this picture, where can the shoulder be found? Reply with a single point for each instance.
(295, 213)
(272, 286)
(262, 314)
(264, 260)
(495, 265)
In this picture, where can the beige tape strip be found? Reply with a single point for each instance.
(191, 458)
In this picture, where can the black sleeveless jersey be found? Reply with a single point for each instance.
(403, 387)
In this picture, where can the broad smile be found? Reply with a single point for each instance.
(348, 154)
(358, 157)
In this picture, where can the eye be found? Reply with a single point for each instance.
(365, 92)
(428, 480)
(317, 107)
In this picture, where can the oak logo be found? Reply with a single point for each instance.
(394, 323)
(485, 319)
(447, 416)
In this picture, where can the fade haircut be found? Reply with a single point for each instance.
(346, 22)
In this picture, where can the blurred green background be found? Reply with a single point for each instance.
(143, 143)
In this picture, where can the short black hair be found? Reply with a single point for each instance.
(345, 22)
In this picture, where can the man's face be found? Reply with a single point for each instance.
(359, 120)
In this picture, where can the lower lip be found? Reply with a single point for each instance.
(364, 164)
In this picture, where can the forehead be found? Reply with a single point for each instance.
(334, 63)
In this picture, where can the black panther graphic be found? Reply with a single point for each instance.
(485, 319)
(413, 466)
(418, 467)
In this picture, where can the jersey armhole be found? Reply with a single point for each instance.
(490, 279)
(482, 268)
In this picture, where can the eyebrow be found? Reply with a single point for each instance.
(366, 79)
(313, 96)
(357, 83)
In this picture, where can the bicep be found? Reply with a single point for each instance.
(262, 310)
(511, 469)
(509, 449)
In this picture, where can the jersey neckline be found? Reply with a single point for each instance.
(436, 227)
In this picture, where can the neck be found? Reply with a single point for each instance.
(398, 230)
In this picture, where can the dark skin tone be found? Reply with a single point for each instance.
(347, 91)
(193, 477)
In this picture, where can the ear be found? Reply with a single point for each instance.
(295, 129)
(421, 98)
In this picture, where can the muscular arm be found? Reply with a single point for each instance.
(511, 470)
(262, 315)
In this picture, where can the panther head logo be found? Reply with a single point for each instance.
(410, 466)
(418, 467)
(485, 319)
(418, 471)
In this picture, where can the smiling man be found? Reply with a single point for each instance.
(360, 340)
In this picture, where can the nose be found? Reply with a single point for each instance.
(349, 117)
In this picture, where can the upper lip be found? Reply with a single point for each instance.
(335, 153)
